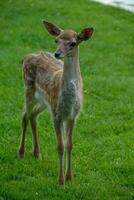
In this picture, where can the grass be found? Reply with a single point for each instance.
(103, 155)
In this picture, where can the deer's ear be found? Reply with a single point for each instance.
(52, 29)
(85, 34)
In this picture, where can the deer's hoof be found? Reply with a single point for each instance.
(37, 155)
(68, 177)
(61, 181)
(21, 154)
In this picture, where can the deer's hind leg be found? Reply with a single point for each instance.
(29, 104)
(36, 148)
(29, 112)
(23, 135)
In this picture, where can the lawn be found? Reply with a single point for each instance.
(103, 154)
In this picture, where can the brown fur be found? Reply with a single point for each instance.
(41, 70)
(68, 34)
(58, 85)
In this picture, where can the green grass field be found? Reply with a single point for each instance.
(103, 154)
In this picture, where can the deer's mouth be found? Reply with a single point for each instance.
(59, 55)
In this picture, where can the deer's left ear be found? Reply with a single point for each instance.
(85, 34)
(52, 29)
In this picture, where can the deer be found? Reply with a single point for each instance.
(54, 81)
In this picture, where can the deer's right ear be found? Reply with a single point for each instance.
(52, 29)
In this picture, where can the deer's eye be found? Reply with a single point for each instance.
(73, 44)
(56, 41)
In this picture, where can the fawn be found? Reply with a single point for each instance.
(56, 84)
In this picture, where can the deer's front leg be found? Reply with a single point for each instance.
(60, 149)
(69, 132)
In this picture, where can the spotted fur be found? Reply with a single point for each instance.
(57, 85)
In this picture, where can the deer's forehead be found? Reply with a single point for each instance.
(67, 35)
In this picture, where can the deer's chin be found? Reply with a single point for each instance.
(60, 57)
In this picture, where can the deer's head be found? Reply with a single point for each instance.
(67, 40)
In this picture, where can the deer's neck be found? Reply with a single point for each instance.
(72, 67)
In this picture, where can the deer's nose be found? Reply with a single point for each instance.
(57, 55)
